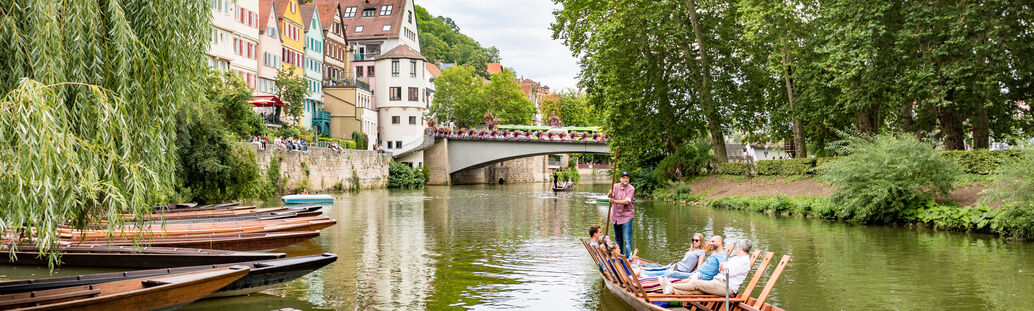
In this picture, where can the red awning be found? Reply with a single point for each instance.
(267, 101)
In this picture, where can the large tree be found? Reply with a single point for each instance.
(90, 89)
(463, 97)
(506, 101)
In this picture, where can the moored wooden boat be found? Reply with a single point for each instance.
(231, 218)
(563, 188)
(263, 275)
(307, 198)
(620, 280)
(223, 241)
(103, 256)
(218, 207)
(276, 225)
(168, 291)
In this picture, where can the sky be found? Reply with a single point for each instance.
(520, 29)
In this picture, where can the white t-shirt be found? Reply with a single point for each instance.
(738, 267)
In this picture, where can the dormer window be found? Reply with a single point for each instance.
(358, 28)
(386, 10)
(292, 6)
(386, 28)
(350, 11)
(369, 12)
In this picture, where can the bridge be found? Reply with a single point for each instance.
(447, 152)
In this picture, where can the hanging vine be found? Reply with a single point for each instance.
(89, 92)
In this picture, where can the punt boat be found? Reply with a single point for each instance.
(307, 198)
(221, 241)
(103, 256)
(160, 292)
(264, 274)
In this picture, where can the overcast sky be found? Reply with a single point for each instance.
(520, 29)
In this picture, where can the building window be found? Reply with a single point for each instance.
(394, 120)
(386, 28)
(395, 93)
(398, 144)
(350, 11)
(412, 68)
(369, 71)
(414, 94)
(359, 28)
(410, 17)
(390, 143)
(412, 120)
(292, 6)
(369, 12)
(395, 68)
(358, 71)
(386, 10)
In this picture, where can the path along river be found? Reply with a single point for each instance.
(516, 247)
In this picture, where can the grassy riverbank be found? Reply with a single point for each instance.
(806, 196)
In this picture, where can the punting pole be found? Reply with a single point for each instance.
(613, 180)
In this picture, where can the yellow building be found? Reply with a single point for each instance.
(289, 16)
(350, 111)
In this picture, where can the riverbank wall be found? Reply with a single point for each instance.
(322, 169)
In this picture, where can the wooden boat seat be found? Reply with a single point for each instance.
(742, 301)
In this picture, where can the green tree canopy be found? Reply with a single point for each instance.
(463, 97)
(291, 90)
(90, 90)
(506, 101)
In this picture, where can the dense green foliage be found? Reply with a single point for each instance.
(785, 167)
(213, 165)
(291, 90)
(802, 71)
(441, 40)
(983, 161)
(690, 160)
(463, 98)
(89, 91)
(644, 180)
(569, 174)
(229, 95)
(402, 176)
(675, 191)
(362, 141)
(884, 178)
(572, 107)
(1014, 188)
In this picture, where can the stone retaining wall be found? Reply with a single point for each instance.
(322, 168)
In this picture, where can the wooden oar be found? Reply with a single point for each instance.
(613, 180)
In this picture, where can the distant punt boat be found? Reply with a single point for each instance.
(307, 198)
(264, 275)
(161, 292)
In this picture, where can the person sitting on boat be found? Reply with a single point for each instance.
(594, 236)
(682, 269)
(735, 269)
(710, 266)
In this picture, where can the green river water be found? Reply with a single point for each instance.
(490, 247)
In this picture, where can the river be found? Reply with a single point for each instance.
(488, 247)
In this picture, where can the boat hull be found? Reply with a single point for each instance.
(263, 275)
(229, 242)
(99, 256)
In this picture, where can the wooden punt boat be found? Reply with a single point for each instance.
(276, 225)
(103, 256)
(622, 282)
(264, 274)
(563, 188)
(234, 218)
(167, 291)
(307, 198)
(212, 213)
(235, 206)
(223, 241)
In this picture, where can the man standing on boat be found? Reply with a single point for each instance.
(622, 209)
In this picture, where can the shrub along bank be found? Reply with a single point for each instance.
(894, 178)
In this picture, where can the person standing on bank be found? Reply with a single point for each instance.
(622, 209)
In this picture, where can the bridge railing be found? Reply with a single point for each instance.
(555, 135)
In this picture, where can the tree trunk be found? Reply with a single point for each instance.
(951, 127)
(981, 133)
(714, 125)
(906, 123)
(799, 145)
(868, 119)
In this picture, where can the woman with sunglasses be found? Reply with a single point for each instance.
(681, 269)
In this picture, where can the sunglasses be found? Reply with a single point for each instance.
(696, 240)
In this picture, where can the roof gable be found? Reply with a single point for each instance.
(328, 11)
(401, 51)
(373, 26)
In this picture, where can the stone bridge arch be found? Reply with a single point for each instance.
(449, 156)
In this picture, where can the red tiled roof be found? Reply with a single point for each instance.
(401, 51)
(431, 68)
(265, 6)
(494, 68)
(326, 10)
(308, 10)
(372, 25)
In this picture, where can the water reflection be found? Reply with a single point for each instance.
(516, 247)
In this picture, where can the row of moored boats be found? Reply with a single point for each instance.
(189, 252)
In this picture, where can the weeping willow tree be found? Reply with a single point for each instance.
(89, 93)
